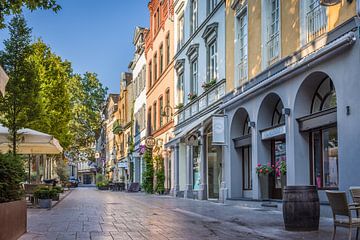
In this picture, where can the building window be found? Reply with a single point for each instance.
(181, 31)
(211, 5)
(150, 126)
(161, 52)
(161, 110)
(278, 118)
(158, 19)
(150, 74)
(242, 47)
(167, 104)
(154, 116)
(193, 16)
(273, 29)
(167, 41)
(324, 141)
(315, 19)
(155, 67)
(194, 77)
(325, 158)
(212, 61)
(181, 93)
(247, 167)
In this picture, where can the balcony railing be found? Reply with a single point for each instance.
(202, 102)
(273, 47)
(316, 21)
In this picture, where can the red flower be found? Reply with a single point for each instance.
(261, 170)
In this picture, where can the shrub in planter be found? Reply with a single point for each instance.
(11, 175)
(45, 195)
(103, 185)
(58, 189)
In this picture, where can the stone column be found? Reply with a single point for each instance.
(176, 170)
(188, 193)
(223, 187)
(166, 170)
(203, 166)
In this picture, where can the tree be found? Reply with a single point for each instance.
(20, 106)
(53, 75)
(9, 7)
(87, 101)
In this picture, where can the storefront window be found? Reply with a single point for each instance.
(324, 97)
(214, 168)
(325, 158)
(196, 168)
(247, 180)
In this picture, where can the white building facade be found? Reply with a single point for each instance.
(138, 67)
(199, 40)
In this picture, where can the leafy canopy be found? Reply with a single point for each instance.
(10, 7)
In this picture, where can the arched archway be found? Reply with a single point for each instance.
(316, 135)
(272, 144)
(241, 155)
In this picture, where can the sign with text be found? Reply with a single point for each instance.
(273, 132)
(150, 142)
(219, 129)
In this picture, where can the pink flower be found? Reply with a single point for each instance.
(259, 165)
(261, 171)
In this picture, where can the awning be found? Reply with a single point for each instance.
(181, 132)
(3, 80)
(32, 142)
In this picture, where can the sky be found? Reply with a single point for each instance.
(95, 35)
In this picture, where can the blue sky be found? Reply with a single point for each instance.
(95, 35)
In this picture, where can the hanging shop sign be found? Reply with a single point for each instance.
(219, 129)
(150, 142)
(97, 155)
(273, 132)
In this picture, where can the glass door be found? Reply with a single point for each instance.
(278, 155)
(214, 155)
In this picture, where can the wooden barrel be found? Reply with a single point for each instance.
(301, 208)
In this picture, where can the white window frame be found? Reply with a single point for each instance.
(181, 30)
(212, 60)
(181, 88)
(241, 46)
(194, 9)
(271, 32)
(194, 77)
(212, 5)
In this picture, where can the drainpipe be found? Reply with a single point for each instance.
(337, 45)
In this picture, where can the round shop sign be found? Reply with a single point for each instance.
(150, 142)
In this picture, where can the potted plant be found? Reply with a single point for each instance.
(280, 171)
(13, 217)
(207, 85)
(44, 196)
(191, 96)
(58, 190)
(263, 171)
(103, 185)
(179, 106)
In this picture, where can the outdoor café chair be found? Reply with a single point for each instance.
(340, 208)
(355, 194)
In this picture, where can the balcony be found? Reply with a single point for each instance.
(316, 22)
(202, 102)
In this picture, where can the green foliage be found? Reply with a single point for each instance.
(20, 106)
(58, 189)
(160, 174)
(87, 101)
(103, 183)
(45, 193)
(53, 75)
(8, 7)
(61, 170)
(117, 128)
(99, 177)
(11, 175)
(148, 175)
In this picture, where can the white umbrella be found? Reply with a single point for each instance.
(3, 80)
(31, 142)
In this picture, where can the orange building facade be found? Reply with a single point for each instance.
(159, 53)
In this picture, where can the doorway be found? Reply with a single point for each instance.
(278, 154)
(214, 171)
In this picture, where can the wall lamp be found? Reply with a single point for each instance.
(251, 124)
(286, 111)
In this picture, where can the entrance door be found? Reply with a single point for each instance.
(214, 155)
(87, 179)
(278, 152)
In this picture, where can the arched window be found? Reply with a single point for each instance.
(278, 118)
(247, 128)
(324, 97)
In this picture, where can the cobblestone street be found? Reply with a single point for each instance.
(87, 213)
